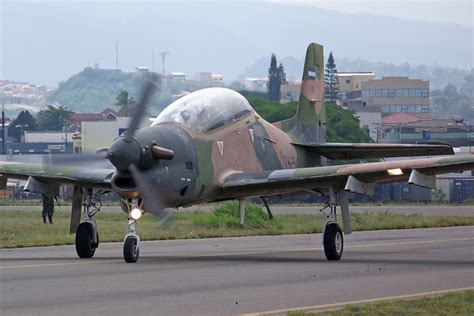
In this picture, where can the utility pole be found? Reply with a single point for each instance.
(153, 60)
(163, 60)
(3, 125)
(116, 55)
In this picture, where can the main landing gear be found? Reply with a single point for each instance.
(333, 239)
(87, 236)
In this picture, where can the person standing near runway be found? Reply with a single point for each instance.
(48, 208)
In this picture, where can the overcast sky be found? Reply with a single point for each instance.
(451, 11)
(48, 41)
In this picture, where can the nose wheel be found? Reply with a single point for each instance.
(131, 251)
(131, 242)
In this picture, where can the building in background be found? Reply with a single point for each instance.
(412, 128)
(96, 135)
(351, 81)
(370, 121)
(177, 78)
(106, 115)
(390, 95)
(290, 92)
(256, 84)
(209, 79)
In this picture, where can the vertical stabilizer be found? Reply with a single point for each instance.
(309, 123)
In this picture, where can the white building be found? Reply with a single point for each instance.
(256, 84)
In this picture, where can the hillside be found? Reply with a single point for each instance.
(92, 90)
(438, 76)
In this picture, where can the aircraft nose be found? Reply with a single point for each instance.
(124, 152)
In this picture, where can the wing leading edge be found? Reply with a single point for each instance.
(82, 176)
(368, 150)
(358, 178)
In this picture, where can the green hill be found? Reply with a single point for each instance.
(92, 90)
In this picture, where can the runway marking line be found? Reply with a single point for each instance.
(323, 307)
(321, 248)
(56, 264)
(239, 253)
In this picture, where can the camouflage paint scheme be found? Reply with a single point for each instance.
(250, 157)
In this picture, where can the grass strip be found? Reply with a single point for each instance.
(458, 303)
(25, 228)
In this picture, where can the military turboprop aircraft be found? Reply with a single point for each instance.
(210, 145)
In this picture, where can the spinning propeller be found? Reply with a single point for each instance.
(127, 154)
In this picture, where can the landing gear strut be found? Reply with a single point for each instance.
(131, 242)
(87, 236)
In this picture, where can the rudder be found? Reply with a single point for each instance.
(309, 123)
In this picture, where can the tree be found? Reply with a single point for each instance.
(467, 87)
(276, 77)
(126, 103)
(330, 79)
(53, 118)
(25, 122)
(448, 102)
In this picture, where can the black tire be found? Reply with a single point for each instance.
(85, 246)
(333, 242)
(131, 250)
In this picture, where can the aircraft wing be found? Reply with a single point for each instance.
(358, 178)
(376, 150)
(81, 176)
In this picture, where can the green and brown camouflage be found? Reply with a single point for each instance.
(222, 149)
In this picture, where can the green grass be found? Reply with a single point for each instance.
(459, 303)
(25, 228)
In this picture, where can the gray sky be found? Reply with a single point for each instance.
(450, 11)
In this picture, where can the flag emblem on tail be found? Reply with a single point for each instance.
(312, 71)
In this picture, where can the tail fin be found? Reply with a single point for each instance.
(309, 123)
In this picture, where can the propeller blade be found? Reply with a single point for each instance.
(151, 197)
(146, 95)
(90, 160)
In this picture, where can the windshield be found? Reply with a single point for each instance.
(206, 109)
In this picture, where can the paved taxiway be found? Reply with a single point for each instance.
(234, 275)
(459, 210)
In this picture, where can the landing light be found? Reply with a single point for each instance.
(136, 213)
(395, 172)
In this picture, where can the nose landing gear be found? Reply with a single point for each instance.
(131, 242)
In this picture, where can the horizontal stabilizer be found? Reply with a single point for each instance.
(369, 150)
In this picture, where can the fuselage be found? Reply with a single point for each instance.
(213, 133)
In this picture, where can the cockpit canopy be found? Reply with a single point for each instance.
(206, 109)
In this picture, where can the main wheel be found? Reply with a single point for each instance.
(333, 242)
(130, 249)
(85, 246)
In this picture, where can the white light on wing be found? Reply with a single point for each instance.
(395, 172)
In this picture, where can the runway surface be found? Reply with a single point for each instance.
(460, 210)
(231, 276)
